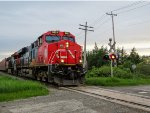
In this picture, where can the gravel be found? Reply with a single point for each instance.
(62, 101)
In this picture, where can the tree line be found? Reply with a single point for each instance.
(95, 57)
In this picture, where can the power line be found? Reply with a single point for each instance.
(133, 8)
(130, 5)
(124, 7)
(103, 33)
(102, 17)
(127, 6)
(104, 22)
(98, 20)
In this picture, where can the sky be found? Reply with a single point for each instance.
(22, 22)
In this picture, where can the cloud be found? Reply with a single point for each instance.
(5, 54)
(22, 22)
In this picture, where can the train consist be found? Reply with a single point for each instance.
(54, 57)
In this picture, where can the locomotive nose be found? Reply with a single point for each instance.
(66, 54)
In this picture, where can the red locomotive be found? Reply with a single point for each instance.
(54, 57)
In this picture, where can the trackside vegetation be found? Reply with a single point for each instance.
(124, 74)
(122, 77)
(11, 88)
(108, 81)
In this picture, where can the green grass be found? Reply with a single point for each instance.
(12, 88)
(108, 81)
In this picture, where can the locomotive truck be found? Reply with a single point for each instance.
(54, 57)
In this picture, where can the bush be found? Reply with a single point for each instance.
(120, 73)
(143, 69)
(105, 71)
(127, 64)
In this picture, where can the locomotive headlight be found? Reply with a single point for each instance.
(67, 44)
(80, 61)
(62, 60)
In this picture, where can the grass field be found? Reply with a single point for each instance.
(12, 88)
(108, 81)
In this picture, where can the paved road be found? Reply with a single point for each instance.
(61, 101)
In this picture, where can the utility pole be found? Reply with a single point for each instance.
(112, 16)
(85, 28)
(110, 50)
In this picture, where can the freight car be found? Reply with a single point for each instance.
(54, 57)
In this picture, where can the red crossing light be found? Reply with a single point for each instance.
(112, 56)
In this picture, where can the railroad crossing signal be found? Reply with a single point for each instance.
(110, 56)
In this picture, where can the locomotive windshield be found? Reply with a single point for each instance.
(50, 39)
(68, 38)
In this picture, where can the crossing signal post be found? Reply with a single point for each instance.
(112, 57)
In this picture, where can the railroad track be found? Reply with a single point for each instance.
(127, 99)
